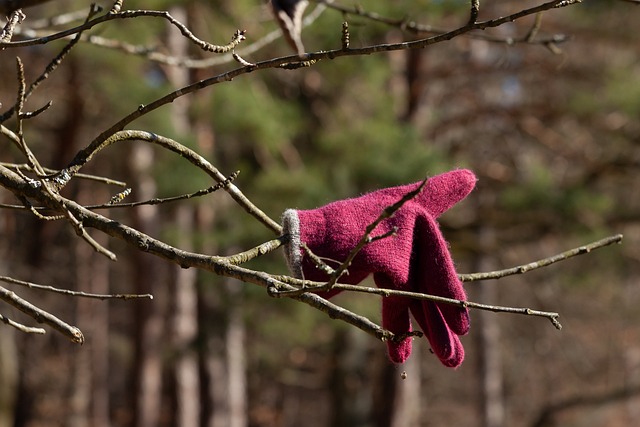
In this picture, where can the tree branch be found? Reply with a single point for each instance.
(41, 316)
(21, 327)
(73, 293)
(237, 37)
(521, 269)
(85, 155)
(553, 317)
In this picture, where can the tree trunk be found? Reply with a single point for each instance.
(492, 410)
(185, 327)
(8, 375)
(235, 340)
(150, 315)
(185, 319)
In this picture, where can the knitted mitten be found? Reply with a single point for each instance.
(416, 258)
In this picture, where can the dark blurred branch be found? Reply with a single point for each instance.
(474, 12)
(548, 413)
(414, 27)
(151, 52)
(8, 6)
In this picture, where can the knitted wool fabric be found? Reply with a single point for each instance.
(416, 258)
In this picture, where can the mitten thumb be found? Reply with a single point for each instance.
(443, 191)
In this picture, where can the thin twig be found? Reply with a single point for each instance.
(417, 28)
(491, 275)
(55, 62)
(115, 200)
(303, 286)
(51, 67)
(21, 327)
(41, 316)
(85, 155)
(310, 58)
(128, 14)
(54, 172)
(150, 52)
(73, 293)
(553, 317)
(533, 32)
(263, 249)
(43, 183)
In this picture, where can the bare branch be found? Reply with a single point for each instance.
(73, 293)
(150, 52)
(127, 14)
(222, 266)
(115, 200)
(85, 155)
(54, 172)
(242, 61)
(417, 28)
(51, 67)
(553, 317)
(21, 327)
(263, 249)
(303, 286)
(41, 316)
(310, 59)
(521, 269)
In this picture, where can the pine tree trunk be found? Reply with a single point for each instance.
(488, 335)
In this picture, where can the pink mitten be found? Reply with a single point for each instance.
(415, 259)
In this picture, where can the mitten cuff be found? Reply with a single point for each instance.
(293, 249)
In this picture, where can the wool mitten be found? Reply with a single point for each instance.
(415, 258)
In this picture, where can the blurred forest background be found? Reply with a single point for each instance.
(552, 131)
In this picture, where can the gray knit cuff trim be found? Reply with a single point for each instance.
(293, 249)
